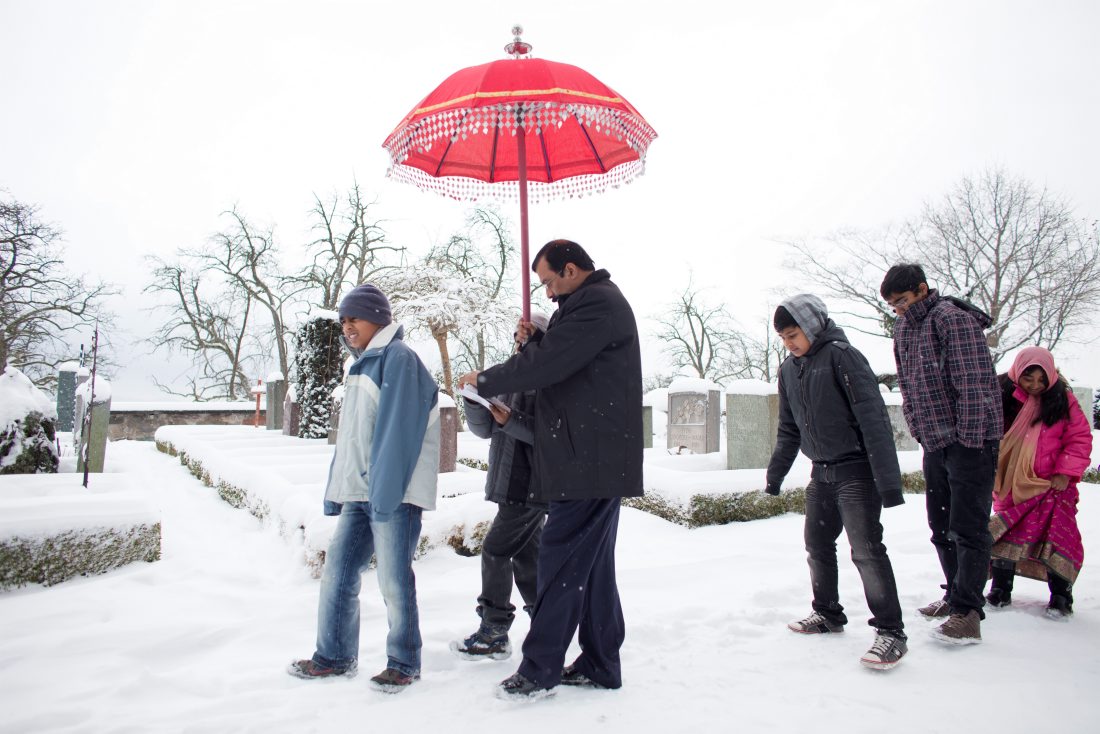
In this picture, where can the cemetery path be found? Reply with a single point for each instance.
(199, 641)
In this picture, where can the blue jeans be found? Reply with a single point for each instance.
(392, 539)
(854, 506)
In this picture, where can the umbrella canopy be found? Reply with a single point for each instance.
(497, 128)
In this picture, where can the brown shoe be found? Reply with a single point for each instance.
(960, 629)
(310, 670)
(392, 681)
(935, 610)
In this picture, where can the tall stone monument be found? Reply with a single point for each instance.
(66, 395)
(276, 394)
(752, 421)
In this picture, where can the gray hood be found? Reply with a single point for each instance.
(809, 312)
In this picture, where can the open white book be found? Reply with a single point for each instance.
(470, 393)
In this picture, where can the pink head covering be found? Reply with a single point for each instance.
(1031, 357)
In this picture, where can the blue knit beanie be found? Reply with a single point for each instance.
(368, 303)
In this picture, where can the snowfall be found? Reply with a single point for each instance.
(200, 640)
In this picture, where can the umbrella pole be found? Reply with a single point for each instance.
(524, 239)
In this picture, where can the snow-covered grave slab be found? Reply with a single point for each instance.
(53, 528)
(281, 480)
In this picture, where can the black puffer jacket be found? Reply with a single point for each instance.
(509, 479)
(831, 408)
(587, 377)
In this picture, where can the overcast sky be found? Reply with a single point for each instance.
(134, 124)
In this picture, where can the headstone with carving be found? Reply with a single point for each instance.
(752, 422)
(694, 415)
(66, 395)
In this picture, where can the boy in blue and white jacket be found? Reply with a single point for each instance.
(383, 475)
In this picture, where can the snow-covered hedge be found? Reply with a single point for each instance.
(52, 528)
(28, 425)
(280, 480)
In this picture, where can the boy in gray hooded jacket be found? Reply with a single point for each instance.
(830, 407)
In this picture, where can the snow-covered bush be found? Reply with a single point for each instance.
(53, 559)
(318, 368)
(28, 425)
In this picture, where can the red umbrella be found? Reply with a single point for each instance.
(496, 128)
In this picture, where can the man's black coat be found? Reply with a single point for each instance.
(587, 374)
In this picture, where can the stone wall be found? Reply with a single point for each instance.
(140, 425)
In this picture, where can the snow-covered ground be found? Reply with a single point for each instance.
(198, 642)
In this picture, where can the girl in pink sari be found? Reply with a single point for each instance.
(1044, 452)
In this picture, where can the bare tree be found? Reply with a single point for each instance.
(211, 325)
(40, 303)
(703, 338)
(763, 356)
(1016, 251)
(483, 253)
(229, 301)
(348, 250)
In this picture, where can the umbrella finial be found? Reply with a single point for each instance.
(518, 47)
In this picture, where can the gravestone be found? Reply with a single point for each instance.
(93, 424)
(292, 414)
(752, 422)
(448, 433)
(66, 396)
(334, 414)
(1084, 399)
(694, 415)
(903, 440)
(276, 394)
(647, 426)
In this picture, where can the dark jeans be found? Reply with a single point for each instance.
(577, 593)
(854, 506)
(510, 550)
(959, 497)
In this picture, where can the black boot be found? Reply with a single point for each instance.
(1000, 591)
(1061, 597)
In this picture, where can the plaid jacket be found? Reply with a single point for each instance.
(948, 385)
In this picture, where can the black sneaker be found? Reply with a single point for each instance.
(310, 670)
(1060, 608)
(886, 651)
(485, 643)
(815, 624)
(392, 681)
(570, 676)
(998, 598)
(519, 687)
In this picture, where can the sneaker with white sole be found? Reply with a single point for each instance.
(886, 651)
(960, 629)
(936, 610)
(815, 624)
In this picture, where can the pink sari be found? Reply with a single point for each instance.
(1033, 525)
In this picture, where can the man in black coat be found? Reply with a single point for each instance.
(587, 374)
